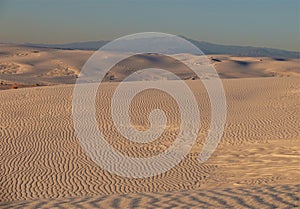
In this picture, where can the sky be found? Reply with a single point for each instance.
(263, 23)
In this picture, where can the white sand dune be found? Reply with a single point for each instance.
(30, 66)
(26, 65)
(255, 165)
(42, 164)
(246, 67)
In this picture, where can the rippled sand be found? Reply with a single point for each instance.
(256, 164)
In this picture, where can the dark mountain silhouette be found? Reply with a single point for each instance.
(206, 47)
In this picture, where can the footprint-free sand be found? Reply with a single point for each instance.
(256, 164)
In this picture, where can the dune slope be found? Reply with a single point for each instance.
(26, 66)
(256, 164)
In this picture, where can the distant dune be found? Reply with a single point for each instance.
(27, 66)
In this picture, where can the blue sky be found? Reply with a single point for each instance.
(265, 23)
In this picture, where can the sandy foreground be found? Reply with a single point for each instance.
(43, 165)
(255, 165)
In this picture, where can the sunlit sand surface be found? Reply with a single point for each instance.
(43, 165)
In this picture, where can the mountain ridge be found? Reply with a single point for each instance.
(206, 47)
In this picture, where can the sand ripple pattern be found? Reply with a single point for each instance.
(281, 196)
(256, 163)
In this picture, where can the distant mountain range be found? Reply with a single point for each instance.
(206, 47)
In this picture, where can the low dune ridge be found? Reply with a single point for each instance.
(247, 67)
(40, 65)
(255, 165)
(29, 66)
